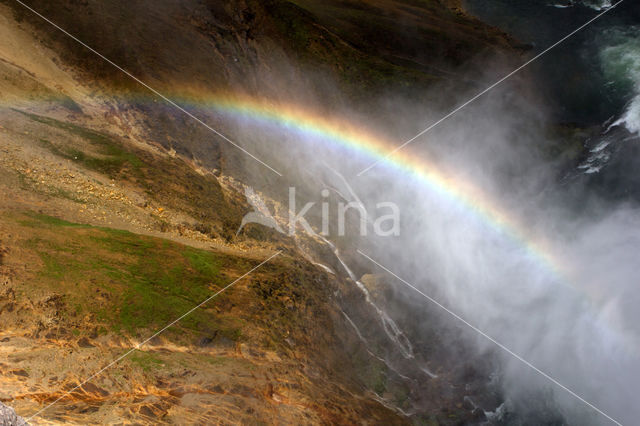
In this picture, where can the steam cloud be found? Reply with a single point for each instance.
(580, 323)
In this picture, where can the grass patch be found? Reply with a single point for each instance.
(29, 183)
(146, 361)
(129, 282)
(111, 158)
(42, 220)
(111, 161)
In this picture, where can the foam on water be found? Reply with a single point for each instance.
(593, 4)
(631, 118)
(597, 4)
(620, 63)
(620, 59)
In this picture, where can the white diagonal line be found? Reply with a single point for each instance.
(157, 333)
(491, 339)
(493, 86)
(165, 98)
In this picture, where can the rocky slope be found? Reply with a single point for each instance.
(118, 215)
(76, 296)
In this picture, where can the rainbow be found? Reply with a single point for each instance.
(344, 135)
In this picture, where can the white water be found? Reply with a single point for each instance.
(597, 4)
(593, 4)
(325, 268)
(597, 159)
(631, 118)
(497, 415)
(620, 58)
(369, 351)
(390, 327)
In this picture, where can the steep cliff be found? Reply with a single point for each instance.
(118, 213)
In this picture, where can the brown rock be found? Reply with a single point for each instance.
(85, 343)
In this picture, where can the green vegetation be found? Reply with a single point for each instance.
(42, 220)
(112, 156)
(151, 362)
(127, 281)
(28, 182)
(146, 361)
(372, 373)
(110, 164)
(169, 181)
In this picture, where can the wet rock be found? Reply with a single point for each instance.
(468, 404)
(145, 410)
(96, 390)
(3, 253)
(178, 392)
(216, 340)
(244, 391)
(89, 409)
(84, 343)
(478, 415)
(215, 389)
(20, 373)
(55, 300)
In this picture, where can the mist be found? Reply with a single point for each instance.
(572, 315)
(579, 325)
